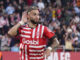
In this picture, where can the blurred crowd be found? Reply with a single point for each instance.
(61, 16)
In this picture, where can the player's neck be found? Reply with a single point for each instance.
(31, 25)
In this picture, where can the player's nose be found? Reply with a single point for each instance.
(37, 17)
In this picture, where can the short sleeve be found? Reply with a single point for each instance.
(48, 33)
(19, 30)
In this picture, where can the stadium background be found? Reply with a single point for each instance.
(61, 16)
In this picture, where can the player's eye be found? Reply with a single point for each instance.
(36, 14)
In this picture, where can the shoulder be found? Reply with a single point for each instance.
(22, 26)
(42, 25)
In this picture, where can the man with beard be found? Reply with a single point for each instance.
(33, 36)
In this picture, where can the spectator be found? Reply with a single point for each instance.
(5, 43)
(10, 9)
(2, 23)
(29, 2)
(34, 3)
(75, 44)
(15, 48)
(41, 5)
(68, 45)
(54, 14)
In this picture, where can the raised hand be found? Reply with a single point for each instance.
(24, 17)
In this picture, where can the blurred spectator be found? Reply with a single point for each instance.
(6, 3)
(77, 10)
(54, 14)
(41, 5)
(15, 48)
(34, 3)
(76, 18)
(10, 9)
(2, 23)
(58, 12)
(58, 2)
(75, 44)
(5, 43)
(29, 2)
(68, 45)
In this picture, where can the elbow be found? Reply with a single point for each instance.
(9, 34)
(58, 43)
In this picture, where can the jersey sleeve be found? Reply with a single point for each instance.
(48, 33)
(19, 30)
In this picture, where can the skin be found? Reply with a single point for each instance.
(33, 15)
(27, 17)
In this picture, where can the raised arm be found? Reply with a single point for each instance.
(13, 31)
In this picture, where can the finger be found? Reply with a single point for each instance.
(24, 14)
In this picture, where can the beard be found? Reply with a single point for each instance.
(34, 22)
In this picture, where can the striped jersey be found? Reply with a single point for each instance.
(33, 41)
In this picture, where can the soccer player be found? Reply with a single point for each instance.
(33, 36)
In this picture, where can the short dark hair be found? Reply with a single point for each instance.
(32, 8)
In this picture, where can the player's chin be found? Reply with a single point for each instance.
(36, 22)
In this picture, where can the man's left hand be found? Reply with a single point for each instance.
(47, 53)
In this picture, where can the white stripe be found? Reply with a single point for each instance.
(25, 31)
(21, 46)
(26, 36)
(35, 54)
(37, 46)
(38, 31)
(45, 57)
(36, 50)
(27, 28)
(33, 34)
(22, 54)
(25, 52)
(36, 57)
(42, 31)
(22, 57)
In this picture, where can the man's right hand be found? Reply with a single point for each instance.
(24, 18)
(13, 31)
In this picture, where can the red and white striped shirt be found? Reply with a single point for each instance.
(33, 41)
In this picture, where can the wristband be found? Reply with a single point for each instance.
(50, 48)
(21, 23)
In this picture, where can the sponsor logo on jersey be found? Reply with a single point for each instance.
(30, 41)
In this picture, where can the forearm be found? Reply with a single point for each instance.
(13, 31)
(55, 43)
